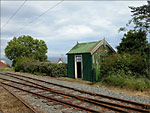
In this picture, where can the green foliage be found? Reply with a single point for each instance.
(121, 81)
(19, 65)
(30, 66)
(125, 71)
(6, 69)
(130, 65)
(133, 42)
(41, 68)
(114, 80)
(26, 46)
(140, 18)
(60, 70)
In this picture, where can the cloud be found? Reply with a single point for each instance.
(75, 30)
(69, 22)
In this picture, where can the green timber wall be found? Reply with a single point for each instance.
(86, 63)
(87, 67)
(71, 66)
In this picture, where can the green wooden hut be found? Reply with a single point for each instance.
(84, 59)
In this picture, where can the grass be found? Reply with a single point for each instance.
(6, 69)
(9, 104)
(139, 84)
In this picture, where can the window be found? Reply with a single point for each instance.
(78, 58)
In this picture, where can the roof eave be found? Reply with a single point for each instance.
(96, 47)
(102, 42)
(79, 53)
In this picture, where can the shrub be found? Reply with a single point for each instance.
(130, 65)
(121, 81)
(138, 66)
(114, 80)
(19, 63)
(43, 68)
(30, 66)
(61, 70)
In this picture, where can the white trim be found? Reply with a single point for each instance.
(75, 66)
(76, 76)
(110, 46)
(97, 46)
(102, 42)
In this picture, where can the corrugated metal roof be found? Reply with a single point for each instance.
(83, 47)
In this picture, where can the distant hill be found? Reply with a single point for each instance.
(55, 59)
(52, 59)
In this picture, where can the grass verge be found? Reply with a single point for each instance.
(9, 104)
(6, 69)
(139, 84)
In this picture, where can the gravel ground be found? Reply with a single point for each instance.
(53, 109)
(95, 90)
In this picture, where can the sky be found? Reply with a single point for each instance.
(62, 26)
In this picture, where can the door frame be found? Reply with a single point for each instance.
(76, 76)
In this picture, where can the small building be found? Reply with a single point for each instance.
(84, 59)
(59, 61)
(4, 61)
(3, 64)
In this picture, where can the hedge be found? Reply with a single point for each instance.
(126, 64)
(30, 65)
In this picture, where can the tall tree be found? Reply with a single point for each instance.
(133, 42)
(26, 46)
(140, 21)
(140, 18)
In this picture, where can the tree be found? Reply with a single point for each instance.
(140, 21)
(133, 42)
(26, 46)
(140, 18)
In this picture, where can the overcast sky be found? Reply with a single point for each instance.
(67, 23)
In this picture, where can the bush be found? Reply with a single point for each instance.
(114, 80)
(43, 68)
(30, 66)
(125, 71)
(61, 70)
(130, 65)
(140, 84)
(19, 63)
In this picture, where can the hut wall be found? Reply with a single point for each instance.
(87, 67)
(97, 58)
(71, 66)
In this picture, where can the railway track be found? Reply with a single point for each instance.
(43, 89)
(18, 98)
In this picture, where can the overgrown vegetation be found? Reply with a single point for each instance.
(125, 71)
(33, 66)
(130, 68)
(122, 81)
(129, 65)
